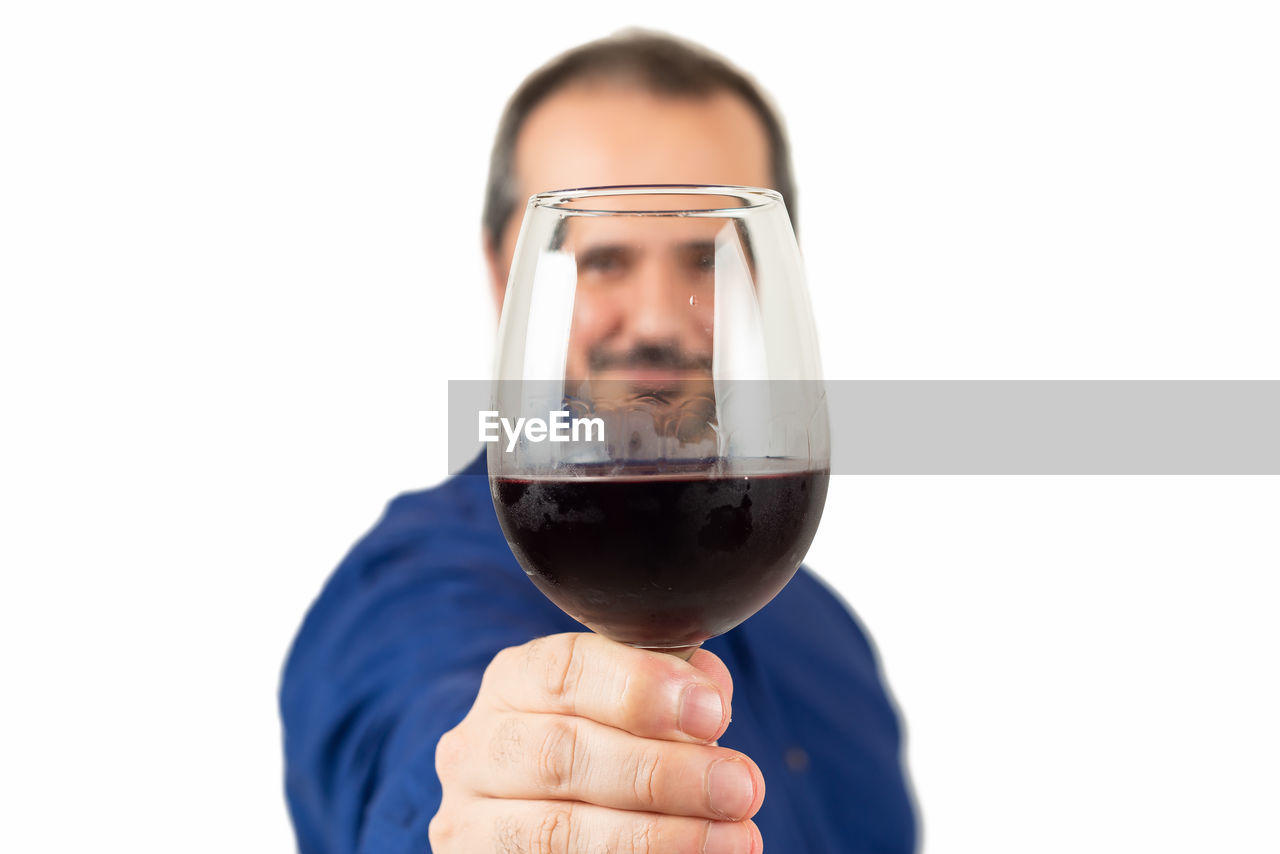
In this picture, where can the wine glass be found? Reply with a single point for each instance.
(665, 452)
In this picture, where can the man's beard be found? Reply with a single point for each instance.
(661, 382)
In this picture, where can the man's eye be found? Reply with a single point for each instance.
(602, 262)
(700, 259)
(601, 265)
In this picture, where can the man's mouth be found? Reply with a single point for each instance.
(650, 361)
(650, 375)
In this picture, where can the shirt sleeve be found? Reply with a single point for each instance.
(390, 657)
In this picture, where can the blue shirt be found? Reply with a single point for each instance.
(391, 654)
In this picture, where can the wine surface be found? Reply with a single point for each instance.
(661, 560)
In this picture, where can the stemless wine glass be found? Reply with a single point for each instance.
(665, 451)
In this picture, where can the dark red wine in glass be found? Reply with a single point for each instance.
(662, 561)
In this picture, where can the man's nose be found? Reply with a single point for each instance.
(654, 301)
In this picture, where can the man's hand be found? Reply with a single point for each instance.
(579, 744)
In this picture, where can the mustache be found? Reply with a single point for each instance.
(661, 356)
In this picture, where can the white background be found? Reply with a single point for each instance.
(240, 258)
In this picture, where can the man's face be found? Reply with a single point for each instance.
(643, 310)
(631, 283)
(642, 315)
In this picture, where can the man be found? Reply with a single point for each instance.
(435, 701)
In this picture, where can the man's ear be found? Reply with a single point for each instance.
(498, 272)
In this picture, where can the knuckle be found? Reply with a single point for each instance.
(642, 841)
(553, 832)
(557, 757)
(441, 831)
(646, 778)
(448, 752)
(559, 660)
(496, 675)
(503, 662)
(531, 655)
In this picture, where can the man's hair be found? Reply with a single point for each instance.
(655, 62)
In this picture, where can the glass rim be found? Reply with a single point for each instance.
(752, 198)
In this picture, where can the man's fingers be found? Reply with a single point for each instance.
(566, 758)
(562, 827)
(645, 693)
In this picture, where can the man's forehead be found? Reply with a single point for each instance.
(611, 134)
(642, 231)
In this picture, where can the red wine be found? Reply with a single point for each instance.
(665, 559)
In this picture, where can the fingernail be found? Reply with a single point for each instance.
(729, 788)
(723, 838)
(700, 712)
